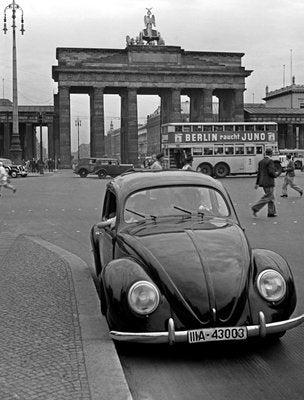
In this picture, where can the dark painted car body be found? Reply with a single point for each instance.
(201, 264)
(102, 167)
(14, 170)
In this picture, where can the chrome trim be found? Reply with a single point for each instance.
(262, 321)
(173, 336)
(171, 331)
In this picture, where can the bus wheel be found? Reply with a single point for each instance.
(205, 169)
(278, 168)
(298, 164)
(221, 170)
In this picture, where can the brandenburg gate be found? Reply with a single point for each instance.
(145, 66)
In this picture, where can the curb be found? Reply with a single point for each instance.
(105, 373)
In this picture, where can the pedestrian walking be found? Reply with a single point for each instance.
(158, 163)
(188, 163)
(289, 178)
(266, 179)
(4, 179)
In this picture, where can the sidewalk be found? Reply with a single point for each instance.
(54, 341)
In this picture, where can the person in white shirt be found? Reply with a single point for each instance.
(158, 164)
(188, 163)
(4, 181)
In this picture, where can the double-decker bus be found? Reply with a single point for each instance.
(221, 148)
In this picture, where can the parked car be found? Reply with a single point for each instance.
(175, 264)
(14, 170)
(102, 167)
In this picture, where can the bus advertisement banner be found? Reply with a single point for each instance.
(222, 137)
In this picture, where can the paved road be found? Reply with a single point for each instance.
(61, 209)
(54, 343)
(235, 371)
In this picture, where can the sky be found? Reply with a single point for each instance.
(268, 32)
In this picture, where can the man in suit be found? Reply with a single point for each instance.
(265, 179)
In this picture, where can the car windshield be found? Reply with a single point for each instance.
(175, 200)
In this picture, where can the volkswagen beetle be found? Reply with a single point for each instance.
(174, 264)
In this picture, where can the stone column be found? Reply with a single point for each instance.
(56, 129)
(97, 122)
(231, 105)
(201, 105)
(238, 105)
(6, 139)
(170, 106)
(51, 143)
(225, 107)
(207, 112)
(65, 127)
(28, 141)
(129, 127)
(196, 105)
(301, 136)
(290, 138)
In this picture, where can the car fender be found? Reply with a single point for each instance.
(117, 278)
(263, 259)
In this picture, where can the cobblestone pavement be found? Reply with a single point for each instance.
(47, 340)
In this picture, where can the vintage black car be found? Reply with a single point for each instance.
(174, 264)
(102, 167)
(14, 170)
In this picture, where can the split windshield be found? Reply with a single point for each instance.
(175, 200)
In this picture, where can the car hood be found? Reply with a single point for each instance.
(201, 267)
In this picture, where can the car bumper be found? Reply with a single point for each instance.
(171, 336)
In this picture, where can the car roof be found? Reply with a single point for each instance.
(140, 180)
(6, 160)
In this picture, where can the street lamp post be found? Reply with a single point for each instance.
(15, 147)
(40, 119)
(78, 124)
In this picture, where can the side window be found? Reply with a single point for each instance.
(249, 150)
(110, 206)
(239, 149)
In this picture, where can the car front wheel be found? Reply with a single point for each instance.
(102, 174)
(83, 173)
(14, 174)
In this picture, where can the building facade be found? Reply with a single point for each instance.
(286, 107)
(30, 117)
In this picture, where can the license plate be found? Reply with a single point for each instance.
(217, 334)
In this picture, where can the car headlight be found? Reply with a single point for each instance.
(143, 297)
(271, 285)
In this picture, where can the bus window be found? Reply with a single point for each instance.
(228, 128)
(239, 149)
(249, 128)
(218, 128)
(218, 150)
(259, 149)
(229, 150)
(197, 151)
(207, 128)
(260, 127)
(186, 128)
(197, 128)
(239, 128)
(249, 150)
(208, 151)
(271, 128)
(178, 128)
